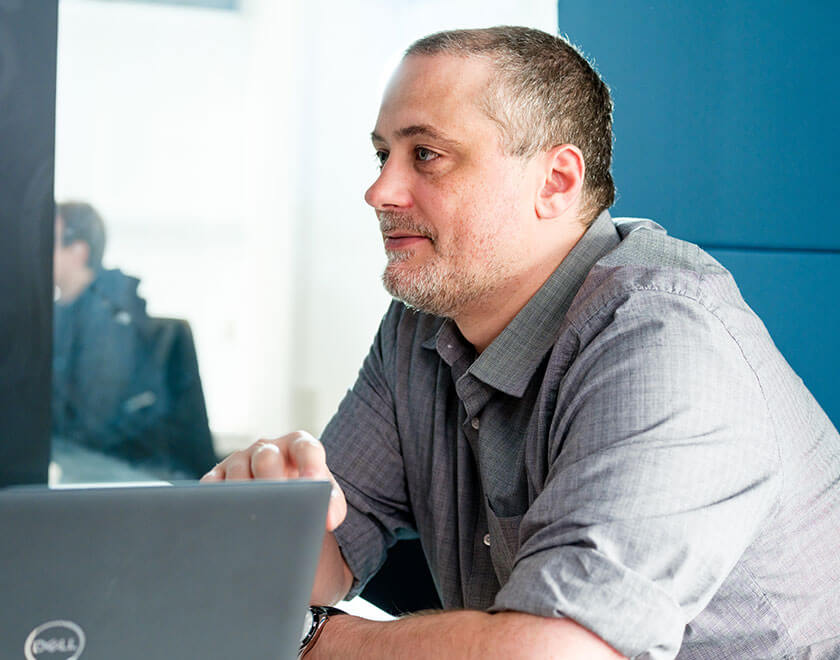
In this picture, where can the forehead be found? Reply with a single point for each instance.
(443, 91)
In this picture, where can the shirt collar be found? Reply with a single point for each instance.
(449, 343)
(510, 361)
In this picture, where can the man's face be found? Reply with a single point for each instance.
(453, 208)
(68, 260)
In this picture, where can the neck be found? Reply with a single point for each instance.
(74, 285)
(482, 322)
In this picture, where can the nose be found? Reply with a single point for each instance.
(391, 188)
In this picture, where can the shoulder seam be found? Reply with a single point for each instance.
(696, 299)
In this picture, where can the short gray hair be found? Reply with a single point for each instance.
(83, 223)
(547, 94)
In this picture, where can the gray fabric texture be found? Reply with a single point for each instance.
(642, 457)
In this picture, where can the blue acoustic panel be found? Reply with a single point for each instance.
(725, 114)
(796, 295)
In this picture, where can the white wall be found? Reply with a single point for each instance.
(229, 152)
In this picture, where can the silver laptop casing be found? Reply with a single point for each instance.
(204, 571)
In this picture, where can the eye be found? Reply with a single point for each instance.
(425, 155)
(381, 156)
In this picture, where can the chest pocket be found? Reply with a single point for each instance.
(504, 542)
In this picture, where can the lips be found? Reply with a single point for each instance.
(401, 231)
(400, 241)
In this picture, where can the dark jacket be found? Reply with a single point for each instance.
(115, 387)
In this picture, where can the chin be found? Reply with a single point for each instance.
(419, 293)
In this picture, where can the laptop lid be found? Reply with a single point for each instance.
(205, 571)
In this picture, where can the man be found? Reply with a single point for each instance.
(112, 405)
(598, 444)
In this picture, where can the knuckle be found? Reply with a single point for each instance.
(236, 462)
(265, 448)
(307, 441)
(263, 459)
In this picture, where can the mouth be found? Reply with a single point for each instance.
(401, 240)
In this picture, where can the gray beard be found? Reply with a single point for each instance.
(425, 293)
(433, 290)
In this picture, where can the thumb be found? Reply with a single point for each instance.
(337, 508)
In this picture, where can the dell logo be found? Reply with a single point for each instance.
(55, 640)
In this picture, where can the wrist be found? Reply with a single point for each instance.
(317, 617)
(346, 637)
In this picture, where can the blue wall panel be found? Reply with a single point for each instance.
(726, 133)
(795, 294)
(725, 114)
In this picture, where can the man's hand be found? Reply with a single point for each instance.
(294, 456)
(297, 456)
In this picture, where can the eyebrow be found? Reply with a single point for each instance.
(419, 129)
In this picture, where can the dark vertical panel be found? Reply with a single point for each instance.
(28, 30)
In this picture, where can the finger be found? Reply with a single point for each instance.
(311, 460)
(238, 466)
(267, 462)
(216, 474)
(308, 456)
(337, 509)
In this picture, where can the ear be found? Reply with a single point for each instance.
(563, 171)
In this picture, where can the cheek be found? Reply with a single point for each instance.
(462, 197)
(475, 209)
(500, 232)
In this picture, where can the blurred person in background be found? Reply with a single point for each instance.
(112, 404)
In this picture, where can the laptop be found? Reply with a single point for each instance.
(207, 571)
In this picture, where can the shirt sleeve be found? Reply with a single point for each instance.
(363, 453)
(663, 466)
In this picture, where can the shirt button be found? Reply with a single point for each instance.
(475, 423)
(487, 540)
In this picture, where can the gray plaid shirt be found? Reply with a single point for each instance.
(631, 452)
